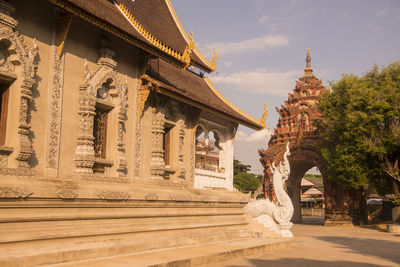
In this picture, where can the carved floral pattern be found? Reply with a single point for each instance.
(18, 53)
(56, 92)
(67, 193)
(114, 195)
(105, 72)
(14, 192)
(151, 196)
(179, 197)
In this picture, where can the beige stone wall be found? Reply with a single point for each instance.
(49, 213)
(36, 21)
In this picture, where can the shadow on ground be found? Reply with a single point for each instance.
(385, 249)
(305, 263)
(313, 220)
(375, 227)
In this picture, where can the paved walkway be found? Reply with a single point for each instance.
(332, 246)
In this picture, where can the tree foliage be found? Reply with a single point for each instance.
(239, 167)
(246, 182)
(360, 129)
(242, 179)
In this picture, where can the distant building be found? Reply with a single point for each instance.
(311, 194)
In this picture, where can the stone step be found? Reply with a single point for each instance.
(205, 254)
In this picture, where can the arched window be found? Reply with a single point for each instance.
(103, 107)
(207, 151)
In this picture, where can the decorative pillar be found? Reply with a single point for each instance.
(122, 117)
(157, 166)
(182, 170)
(84, 153)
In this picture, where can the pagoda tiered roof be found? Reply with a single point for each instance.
(298, 112)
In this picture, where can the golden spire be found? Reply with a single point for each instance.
(308, 70)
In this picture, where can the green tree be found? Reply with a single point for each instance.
(239, 167)
(246, 182)
(360, 129)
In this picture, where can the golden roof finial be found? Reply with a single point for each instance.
(264, 117)
(308, 69)
(213, 62)
(188, 50)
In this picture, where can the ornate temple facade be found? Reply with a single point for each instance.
(295, 126)
(101, 105)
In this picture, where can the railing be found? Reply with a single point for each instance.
(210, 179)
(315, 212)
(208, 173)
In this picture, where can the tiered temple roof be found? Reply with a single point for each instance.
(152, 25)
(197, 91)
(300, 109)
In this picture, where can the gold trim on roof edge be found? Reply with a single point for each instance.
(152, 39)
(212, 64)
(114, 30)
(260, 122)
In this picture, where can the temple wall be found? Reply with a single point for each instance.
(51, 213)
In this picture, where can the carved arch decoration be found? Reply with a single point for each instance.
(18, 62)
(116, 96)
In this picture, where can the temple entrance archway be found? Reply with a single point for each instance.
(296, 126)
(301, 161)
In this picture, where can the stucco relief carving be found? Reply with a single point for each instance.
(182, 169)
(114, 195)
(179, 197)
(67, 193)
(55, 106)
(89, 93)
(151, 196)
(14, 192)
(16, 172)
(138, 150)
(16, 53)
(157, 165)
(122, 117)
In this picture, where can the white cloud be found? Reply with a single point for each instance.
(264, 82)
(263, 20)
(273, 27)
(382, 12)
(228, 63)
(247, 145)
(259, 136)
(250, 45)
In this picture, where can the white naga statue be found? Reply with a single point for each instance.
(275, 216)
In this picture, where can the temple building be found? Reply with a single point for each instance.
(102, 102)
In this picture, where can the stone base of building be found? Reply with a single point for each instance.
(51, 221)
(209, 254)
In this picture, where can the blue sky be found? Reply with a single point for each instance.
(262, 45)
